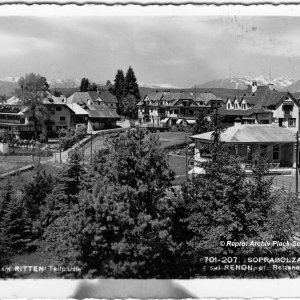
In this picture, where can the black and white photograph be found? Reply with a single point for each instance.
(144, 147)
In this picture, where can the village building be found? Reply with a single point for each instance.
(94, 98)
(16, 119)
(100, 115)
(261, 105)
(167, 109)
(277, 143)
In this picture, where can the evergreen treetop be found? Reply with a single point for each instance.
(130, 85)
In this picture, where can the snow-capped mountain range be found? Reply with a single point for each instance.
(234, 82)
(8, 84)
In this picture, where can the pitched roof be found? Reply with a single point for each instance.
(252, 100)
(77, 109)
(93, 94)
(242, 112)
(154, 96)
(80, 98)
(206, 97)
(107, 97)
(187, 96)
(172, 96)
(49, 99)
(100, 111)
(14, 100)
(263, 133)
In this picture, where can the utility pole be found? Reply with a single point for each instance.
(297, 160)
(60, 161)
(186, 160)
(91, 147)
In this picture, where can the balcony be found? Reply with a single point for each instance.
(12, 121)
(187, 116)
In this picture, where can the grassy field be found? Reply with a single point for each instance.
(18, 180)
(169, 138)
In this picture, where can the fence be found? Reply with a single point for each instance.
(83, 143)
(282, 184)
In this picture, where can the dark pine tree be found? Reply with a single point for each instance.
(64, 193)
(130, 85)
(35, 193)
(202, 124)
(118, 90)
(15, 226)
(219, 205)
(121, 226)
(84, 85)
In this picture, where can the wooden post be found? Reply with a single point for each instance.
(91, 147)
(186, 160)
(60, 161)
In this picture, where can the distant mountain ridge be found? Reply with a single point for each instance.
(234, 82)
(9, 84)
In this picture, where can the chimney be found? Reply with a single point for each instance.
(254, 86)
(237, 121)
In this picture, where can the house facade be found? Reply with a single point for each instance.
(17, 119)
(100, 115)
(277, 143)
(167, 109)
(264, 106)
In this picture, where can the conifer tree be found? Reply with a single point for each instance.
(118, 89)
(4, 202)
(15, 226)
(219, 204)
(84, 85)
(121, 226)
(35, 193)
(65, 191)
(202, 124)
(130, 85)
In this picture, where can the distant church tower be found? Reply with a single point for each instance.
(254, 86)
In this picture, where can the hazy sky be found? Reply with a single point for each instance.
(180, 51)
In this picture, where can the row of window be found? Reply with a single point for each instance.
(236, 106)
(177, 111)
(263, 151)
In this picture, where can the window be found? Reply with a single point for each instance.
(249, 152)
(62, 118)
(276, 152)
(287, 109)
(236, 106)
(228, 105)
(176, 112)
(292, 122)
(30, 119)
(58, 108)
(191, 112)
(243, 106)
